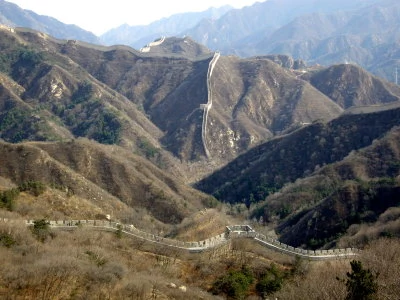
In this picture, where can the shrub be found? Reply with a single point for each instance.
(41, 229)
(210, 202)
(234, 285)
(104, 127)
(96, 258)
(6, 240)
(147, 148)
(30, 57)
(118, 233)
(7, 198)
(83, 93)
(35, 188)
(270, 282)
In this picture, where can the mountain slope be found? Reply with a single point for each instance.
(144, 101)
(361, 189)
(111, 178)
(255, 99)
(13, 16)
(267, 167)
(349, 85)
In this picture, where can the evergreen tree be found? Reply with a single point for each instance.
(361, 283)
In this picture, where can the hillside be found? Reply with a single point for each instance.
(107, 177)
(351, 86)
(55, 89)
(151, 102)
(93, 264)
(356, 199)
(267, 167)
(271, 119)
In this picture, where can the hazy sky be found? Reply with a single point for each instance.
(99, 16)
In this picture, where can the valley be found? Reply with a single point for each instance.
(135, 167)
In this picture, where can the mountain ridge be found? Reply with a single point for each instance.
(137, 36)
(14, 16)
(152, 104)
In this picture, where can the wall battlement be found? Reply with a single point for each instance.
(231, 232)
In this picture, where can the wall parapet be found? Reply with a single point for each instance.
(231, 232)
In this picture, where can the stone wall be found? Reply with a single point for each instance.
(231, 232)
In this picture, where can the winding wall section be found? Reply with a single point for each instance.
(231, 232)
(208, 106)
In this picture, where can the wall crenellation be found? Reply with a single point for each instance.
(231, 232)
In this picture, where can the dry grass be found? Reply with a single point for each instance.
(317, 282)
(203, 225)
(56, 205)
(383, 256)
(318, 279)
(87, 264)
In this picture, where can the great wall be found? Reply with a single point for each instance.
(147, 48)
(206, 107)
(230, 233)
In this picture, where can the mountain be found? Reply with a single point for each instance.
(13, 16)
(177, 108)
(320, 182)
(170, 86)
(253, 23)
(89, 131)
(269, 166)
(318, 32)
(110, 179)
(360, 36)
(138, 36)
(360, 189)
(351, 86)
(151, 102)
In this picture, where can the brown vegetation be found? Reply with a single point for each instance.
(86, 176)
(87, 264)
(317, 210)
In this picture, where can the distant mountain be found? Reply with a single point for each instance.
(178, 47)
(318, 32)
(138, 36)
(328, 32)
(365, 36)
(14, 16)
(239, 29)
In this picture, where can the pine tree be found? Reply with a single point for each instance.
(361, 284)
